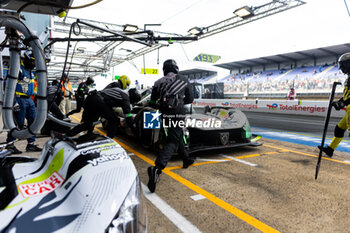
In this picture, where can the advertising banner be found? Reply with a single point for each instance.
(312, 108)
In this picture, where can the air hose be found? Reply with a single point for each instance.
(12, 23)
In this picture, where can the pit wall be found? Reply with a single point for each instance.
(300, 107)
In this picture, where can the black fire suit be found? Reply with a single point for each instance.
(53, 105)
(174, 141)
(114, 84)
(100, 104)
(82, 91)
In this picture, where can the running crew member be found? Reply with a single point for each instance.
(344, 123)
(83, 90)
(172, 91)
(100, 104)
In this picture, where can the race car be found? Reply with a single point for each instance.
(213, 128)
(87, 184)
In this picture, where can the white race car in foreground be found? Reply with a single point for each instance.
(75, 186)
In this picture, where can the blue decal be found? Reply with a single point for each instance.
(151, 120)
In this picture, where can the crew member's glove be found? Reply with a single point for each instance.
(16, 107)
(338, 105)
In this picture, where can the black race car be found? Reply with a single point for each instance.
(206, 129)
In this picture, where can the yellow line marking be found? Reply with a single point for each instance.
(199, 164)
(76, 118)
(146, 159)
(271, 153)
(247, 156)
(302, 153)
(233, 210)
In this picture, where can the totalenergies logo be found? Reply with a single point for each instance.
(225, 104)
(273, 106)
(194, 102)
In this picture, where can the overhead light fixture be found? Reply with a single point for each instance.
(244, 12)
(127, 50)
(130, 28)
(196, 31)
(81, 49)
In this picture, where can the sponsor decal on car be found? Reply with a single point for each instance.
(99, 149)
(42, 187)
(107, 158)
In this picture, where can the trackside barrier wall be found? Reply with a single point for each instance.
(310, 108)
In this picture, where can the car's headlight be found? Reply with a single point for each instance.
(132, 215)
(246, 127)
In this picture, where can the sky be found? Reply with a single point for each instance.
(318, 23)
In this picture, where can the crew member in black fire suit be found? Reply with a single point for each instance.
(100, 104)
(123, 83)
(344, 123)
(82, 91)
(172, 91)
(53, 102)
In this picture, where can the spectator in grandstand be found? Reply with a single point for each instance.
(291, 94)
(344, 123)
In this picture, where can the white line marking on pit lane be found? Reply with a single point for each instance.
(210, 160)
(179, 221)
(197, 197)
(239, 160)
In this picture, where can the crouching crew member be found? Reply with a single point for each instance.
(83, 90)
(123, 83)
(100, 104)
(344, 123)
(53, 102)
(172, 91)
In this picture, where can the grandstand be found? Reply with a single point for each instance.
(310, 72)
(199, 75)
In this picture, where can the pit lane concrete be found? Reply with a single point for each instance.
(279, 194)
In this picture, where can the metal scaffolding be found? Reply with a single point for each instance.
(259, 12)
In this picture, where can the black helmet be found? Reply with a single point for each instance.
(89, 81)
(344, 63)
(134, 95)
(170, 66)
(28, 60)
(54, 83)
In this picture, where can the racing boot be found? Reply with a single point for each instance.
(153, 175)
(32, 148)
(328, 150)
(187, 163)
(11, 148)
